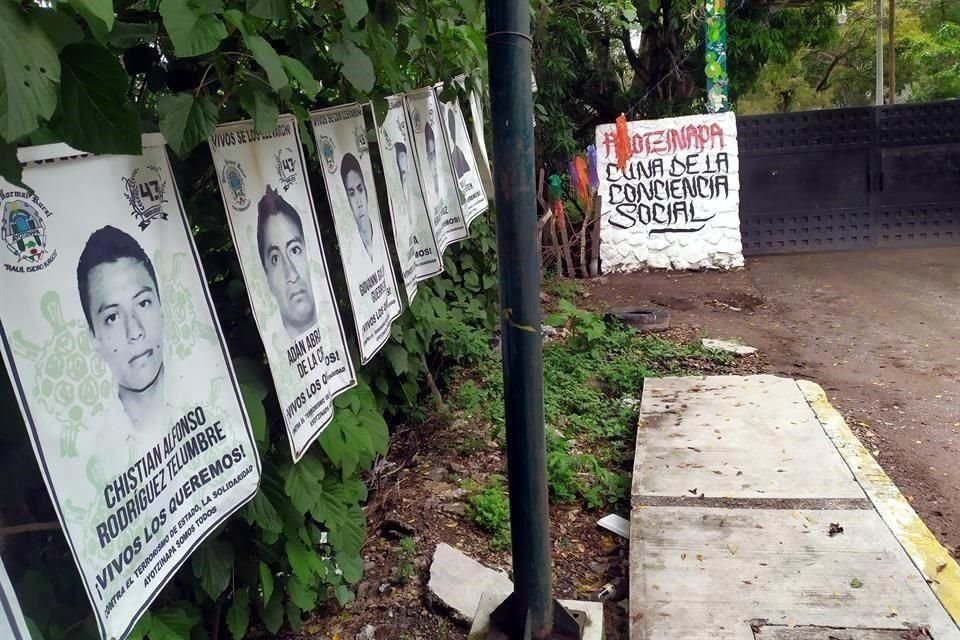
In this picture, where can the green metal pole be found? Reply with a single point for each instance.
(530, 611)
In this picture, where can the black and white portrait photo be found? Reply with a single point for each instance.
(413, 231)
(120, 296)
(121, 371)
(283, 253)
(273, 223)
(368, 269)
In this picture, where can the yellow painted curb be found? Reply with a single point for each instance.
(930, 557)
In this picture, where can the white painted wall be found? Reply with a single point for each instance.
(676, 204)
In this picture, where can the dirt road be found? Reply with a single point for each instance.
(879, 330)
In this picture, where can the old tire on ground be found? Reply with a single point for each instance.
(642, 318)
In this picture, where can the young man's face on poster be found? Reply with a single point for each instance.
(288, 275)
(127, 321)
(357, 195)
(431, 145)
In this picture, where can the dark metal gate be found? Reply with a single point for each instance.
(850, 178)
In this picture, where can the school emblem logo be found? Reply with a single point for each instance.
(385, 138)
(144, 191)
(417, 121)
(360, 137)
(24, 232)
(232, 178)
(328, 153)
(286, 165)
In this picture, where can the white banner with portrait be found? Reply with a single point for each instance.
(440, 188)
(480, 140)
(12, 624)
(464, 165)
(120, 369)
(412, 230)
(274, 227)
(341, 136)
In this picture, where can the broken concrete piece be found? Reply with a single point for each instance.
(729, 347)
(457, 581)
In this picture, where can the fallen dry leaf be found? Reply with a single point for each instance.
(733, 548)
(855, 583)
(699, 557)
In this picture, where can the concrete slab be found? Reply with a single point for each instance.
(708, 572)
(489, 601)
(457, 581)
(746, 437)
(729, 346)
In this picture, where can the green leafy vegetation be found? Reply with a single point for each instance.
(593, 377)
(841, 71)
(489, 508)
(405, 560)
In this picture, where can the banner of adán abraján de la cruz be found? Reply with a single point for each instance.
(412, 229)
(440, 188)
(348, 177)
(120, 369)
(274, 227)
(472, 194)
(12, 624)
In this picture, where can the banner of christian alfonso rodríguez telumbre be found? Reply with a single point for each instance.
(412, 230)
(348, 176)
(464, 164)
(12, 624)
(120, 369)
(274, 226)
(440, 188)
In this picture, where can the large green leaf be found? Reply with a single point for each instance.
(186, 120)
(351, 565)
(299, 558)
(331, 508)
(94, 113)
(266, 582)
(378, 431)
(348, 538)
(301, 595)
(193, 27)
(356, 11)
(397, 356)
(238, 617)
(343, 594)
(297, 71)
(262, 512)
(213, 565)
(97, 13)
(302, 483)
(272, 614)
(59, 27)
(29, 73)
(334, 440)
(261, 107)
(173, 623)
(357, 67)
(294, 616)
(269, 9)
(267, 57)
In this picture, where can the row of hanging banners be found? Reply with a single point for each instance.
(112, 342)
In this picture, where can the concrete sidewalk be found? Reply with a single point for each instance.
(741, 488)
